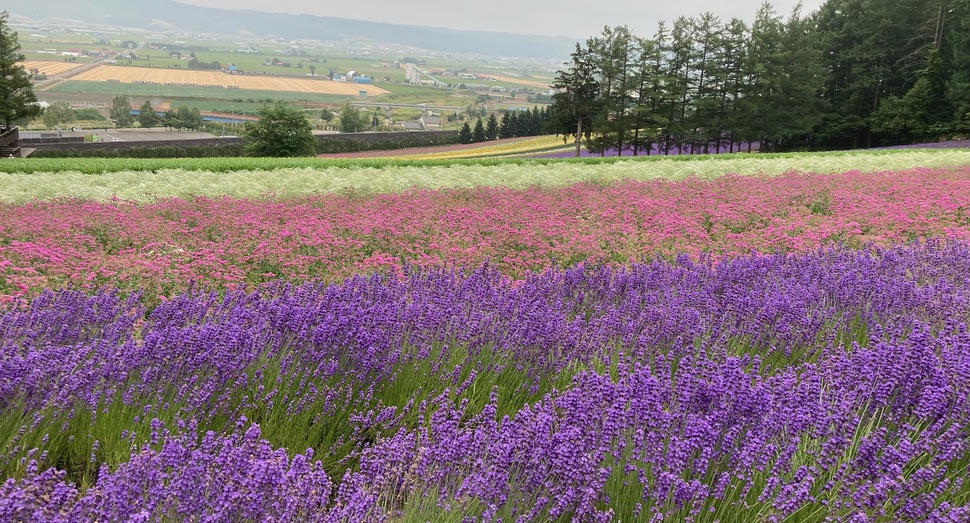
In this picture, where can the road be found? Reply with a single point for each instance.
(426, 107)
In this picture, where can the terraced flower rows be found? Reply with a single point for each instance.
(739, 348)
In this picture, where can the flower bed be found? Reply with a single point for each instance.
(160, 247)
(827, 386)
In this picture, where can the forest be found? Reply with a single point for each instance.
(853, 74)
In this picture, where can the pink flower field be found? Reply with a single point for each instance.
(795, 348)
(224, 243)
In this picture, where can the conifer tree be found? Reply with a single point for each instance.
(478, 134)
(17, 100)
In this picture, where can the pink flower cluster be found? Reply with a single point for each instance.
(224, 242)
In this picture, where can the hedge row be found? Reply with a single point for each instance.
(325, 145)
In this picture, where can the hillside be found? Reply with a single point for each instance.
(167, 15)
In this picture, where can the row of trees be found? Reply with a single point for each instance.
(514, 124)
(182, 117)
(855, 73)
(61, 113)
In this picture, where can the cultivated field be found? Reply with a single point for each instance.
(187, 78)
(51, 68)
(104, 179)
(746, 338)
(538, 84)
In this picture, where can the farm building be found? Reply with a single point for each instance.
(430, 123)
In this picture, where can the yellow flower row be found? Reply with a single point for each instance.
(539, 143)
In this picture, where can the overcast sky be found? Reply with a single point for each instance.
(573, 18)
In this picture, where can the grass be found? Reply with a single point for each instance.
(150, 179)
(198, 93)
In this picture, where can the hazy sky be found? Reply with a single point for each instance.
(573, 18)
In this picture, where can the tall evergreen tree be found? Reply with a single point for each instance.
(491, 128)
(465, 133)
(679, 76)
(956, 43)
(611, 54)
(17, 100)
(730, 108)
(923, 113)
(764, 79)
(478, 133)
(797, 102)
(577, 98)
(710, 80)
(868, 51)
(506, 129)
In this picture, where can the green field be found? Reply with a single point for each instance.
(374, 62)
(197, 93)
(149, 179)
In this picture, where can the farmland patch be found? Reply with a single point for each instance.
(212, 79)
(51, 68)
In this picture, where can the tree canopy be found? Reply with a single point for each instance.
(120, 112)
(854, 73)
(351, 121)
(57, 113)
(147, 116)
(281, 131)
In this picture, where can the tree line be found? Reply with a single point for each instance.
(855, 73)
(514, 124)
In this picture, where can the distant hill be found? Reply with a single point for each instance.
(167, 15)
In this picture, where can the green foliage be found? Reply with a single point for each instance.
(57, 113)
(88, 113)
(491, 128)
(578, 98)
(465, 134)
(351, 120)
(920, 114)
(333, 144)
(478, 133)
(207, 151)
(507, 127)
(872, 52)
(330, 144)
(17, 100)
(280, 132)
(120, 112)
(856, 73)
(147, 117)
(183, 117)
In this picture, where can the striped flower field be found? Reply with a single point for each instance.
(786, 348)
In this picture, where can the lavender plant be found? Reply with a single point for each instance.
(831, 386)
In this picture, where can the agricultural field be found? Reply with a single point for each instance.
(154, 70)
(179, 94)
(744, 337)
(51, 68)
(186, 78)
(503, 148)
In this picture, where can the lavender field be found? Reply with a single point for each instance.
(832, 385)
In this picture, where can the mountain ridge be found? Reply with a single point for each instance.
(169, 14)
